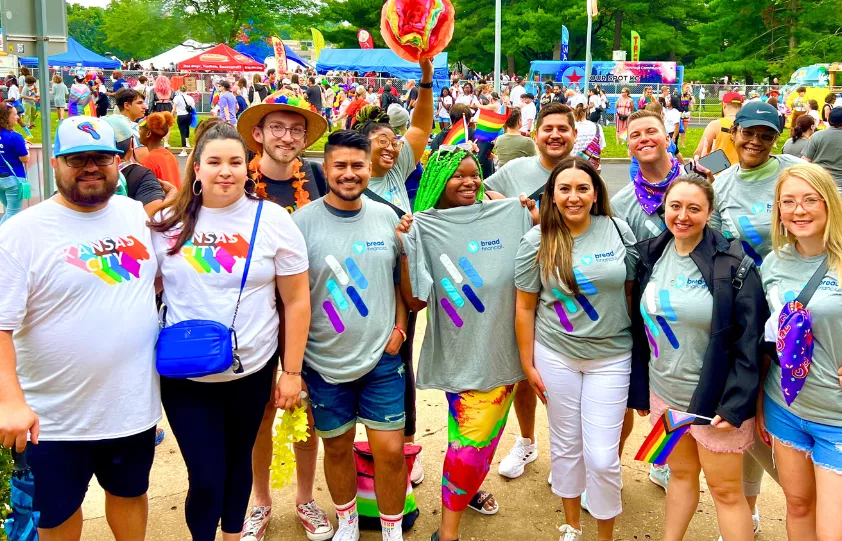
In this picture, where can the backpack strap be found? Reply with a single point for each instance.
(811, 287)
(318, 176)
(373, 196)
(742, 272)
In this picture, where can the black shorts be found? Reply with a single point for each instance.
(63, 471)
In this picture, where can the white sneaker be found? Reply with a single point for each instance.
(755, 521)
(188, 145)
(416, 476)
(348, 533)
(660, 475)
(183, 154)
(254, 528)
(550, 478)
(569, 533)
(522, 453)
(583, 501)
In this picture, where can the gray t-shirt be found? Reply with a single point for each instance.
(392, 187)
(825, 149)
(594, 324)
(625, 206)
(784, 276)
(510, 146)
(462, 263)
(521, 175)
(795, 148)
(744, 202)
(352, 289)
(677, 308)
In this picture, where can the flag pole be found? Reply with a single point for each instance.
(497, 31)
(588, 60)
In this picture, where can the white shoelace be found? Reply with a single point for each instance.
(253, 523)
(314, 515)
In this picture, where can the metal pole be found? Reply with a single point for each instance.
(497, 31)
(44, 89)
(588, 59)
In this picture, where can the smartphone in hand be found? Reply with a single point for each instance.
(716, 162)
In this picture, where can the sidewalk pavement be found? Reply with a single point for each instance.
(528, 508)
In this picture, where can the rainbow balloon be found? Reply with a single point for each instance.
(416, 29)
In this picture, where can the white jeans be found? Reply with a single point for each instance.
(586, 404)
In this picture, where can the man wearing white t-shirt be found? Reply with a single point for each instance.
(77, 339)
(517, 92)
(527, 113)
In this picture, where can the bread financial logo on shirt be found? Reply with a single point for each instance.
(489, 245)
(113, 260)
(565, 305)
(457, 288)
(363, 246)
(210, 252)
(603, 257)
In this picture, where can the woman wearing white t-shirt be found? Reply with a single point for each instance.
(672, 117)
(201, 241)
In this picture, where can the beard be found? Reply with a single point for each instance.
(347, 193)
(86, 196)
(280, 156)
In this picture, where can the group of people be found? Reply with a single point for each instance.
(681, 291)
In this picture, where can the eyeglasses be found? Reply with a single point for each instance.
(384, 141)
(764, 137)
(78, 161)
(297, 132)
(808, 204)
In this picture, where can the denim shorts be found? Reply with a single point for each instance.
(376, 399)
(822, 443)
(63, 471)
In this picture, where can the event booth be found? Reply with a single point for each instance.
(220, 58)
(260, 50)
(381, 61)
(75, 56)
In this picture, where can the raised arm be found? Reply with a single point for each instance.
(422, 117)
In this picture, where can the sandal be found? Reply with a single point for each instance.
(479, 500)
(435, 537)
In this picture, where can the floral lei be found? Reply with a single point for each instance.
(302, 196)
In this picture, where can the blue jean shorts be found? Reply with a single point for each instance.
(376, 399)
(822, 443)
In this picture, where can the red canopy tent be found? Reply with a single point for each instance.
(220, 58)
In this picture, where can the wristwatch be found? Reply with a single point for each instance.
(425, 85)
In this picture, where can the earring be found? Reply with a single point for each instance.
(253, 184)
(784, 232)
(197, 183)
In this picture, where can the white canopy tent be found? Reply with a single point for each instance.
(175, 55)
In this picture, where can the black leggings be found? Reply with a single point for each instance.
(409, 377)
(184, 128)
(215, 425)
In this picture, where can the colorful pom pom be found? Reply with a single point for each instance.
(416, 29)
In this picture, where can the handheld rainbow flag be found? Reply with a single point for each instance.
(490, 124)
(665, 435)
(458, 134)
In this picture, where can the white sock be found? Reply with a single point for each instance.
(392, 527)
(347, 515)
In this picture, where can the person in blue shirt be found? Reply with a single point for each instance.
(15, 154)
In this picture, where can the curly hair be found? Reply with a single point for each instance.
(372, 118)
(156, 126)
(441, 166)
(5, 121)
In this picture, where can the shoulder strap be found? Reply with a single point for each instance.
(371, 195)
(742, 272)
(536, 195)
(617, 227)
(811, 287)
(318, 176)
(248, 259)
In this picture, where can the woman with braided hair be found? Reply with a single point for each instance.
(453, 265)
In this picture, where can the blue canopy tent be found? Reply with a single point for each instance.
(259, 49)
(76, 55)
(380, 60)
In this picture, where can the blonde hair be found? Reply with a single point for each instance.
(820, 180)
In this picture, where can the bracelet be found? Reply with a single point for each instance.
(288, 373)
(425, 85)
(403, 332)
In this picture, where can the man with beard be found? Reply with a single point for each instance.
(278, 131)
(87, 400)
(351, 364)
(554, 135)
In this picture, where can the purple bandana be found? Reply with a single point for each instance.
(650, 196)
(795, 348)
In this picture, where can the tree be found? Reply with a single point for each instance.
(340, 20)
(84, 24)
(141, 28)
(220, 21)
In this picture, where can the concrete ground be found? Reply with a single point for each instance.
(528, 509)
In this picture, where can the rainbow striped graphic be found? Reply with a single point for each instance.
(652, 330)
(490, 124)
(112, 261)
(454, 298)
(344, 275)
(458, 134)
(213, 253)
(664, 436)
(565, 305)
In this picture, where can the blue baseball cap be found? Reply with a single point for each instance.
(84, 134)
(757, 113)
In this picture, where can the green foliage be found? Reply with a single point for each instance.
(220, 21)
(5, 474)
(141, 28)
(85, 24)
(332, 16)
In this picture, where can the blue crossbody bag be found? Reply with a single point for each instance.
(200, 347)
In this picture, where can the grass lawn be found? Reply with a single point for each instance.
(613, 150)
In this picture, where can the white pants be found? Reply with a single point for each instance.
(586, 404)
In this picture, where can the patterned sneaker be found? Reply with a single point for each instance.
(254, 528)
(522, 453)
(159, 436)
(660, 475)
(569, 533)
(417, 474)
(315, 522)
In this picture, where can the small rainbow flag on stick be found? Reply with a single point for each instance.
(458, 134)
(490, 124)
(665, 435)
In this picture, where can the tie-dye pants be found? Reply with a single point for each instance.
(475, 423)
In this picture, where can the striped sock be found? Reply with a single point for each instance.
(347, 515)
(392, 527)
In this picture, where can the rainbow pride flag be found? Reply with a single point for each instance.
(458, 134)
(664, 436)
(490, 124)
